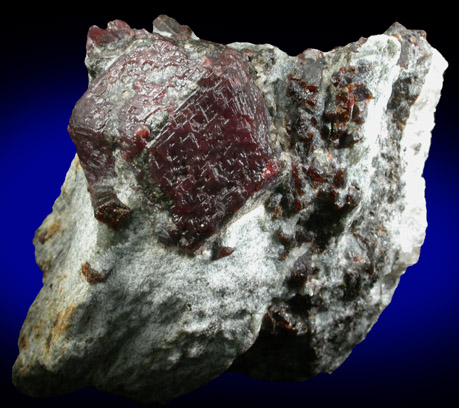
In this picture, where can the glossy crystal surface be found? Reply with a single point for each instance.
(193, 126)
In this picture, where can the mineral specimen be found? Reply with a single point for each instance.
(229, 208)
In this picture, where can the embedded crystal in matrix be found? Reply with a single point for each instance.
(192, 125)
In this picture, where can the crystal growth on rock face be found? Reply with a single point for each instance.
(207, 155)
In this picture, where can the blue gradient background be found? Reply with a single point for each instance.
(411, 354)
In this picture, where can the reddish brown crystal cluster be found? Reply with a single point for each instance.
(327, 121)
(206, 158)
(345, 111)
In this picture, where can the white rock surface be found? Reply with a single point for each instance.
(158, 319)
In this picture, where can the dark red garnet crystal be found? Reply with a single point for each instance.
(209, 154)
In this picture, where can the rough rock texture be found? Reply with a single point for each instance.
(229, 208)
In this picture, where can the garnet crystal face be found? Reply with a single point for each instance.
(192, 125)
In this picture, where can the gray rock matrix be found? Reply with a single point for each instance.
(315, 259)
